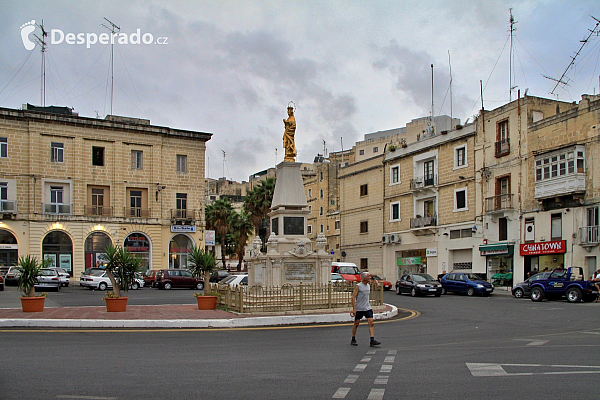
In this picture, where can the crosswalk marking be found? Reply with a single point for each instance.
(381, 380)
(390, 352)
(386, 368)
(360, 367)
(341, 393)
(371, 352)
(389, 359)
(376, 394)
(351, 379)
(366, 359)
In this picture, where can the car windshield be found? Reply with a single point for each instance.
(46, 272)
(422, 277)
(349, 270)
(474, 277)
(228, 279)
(97, 273)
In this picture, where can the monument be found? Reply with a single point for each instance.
(291, 256)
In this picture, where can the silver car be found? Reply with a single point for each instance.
(48, 278)
(65, 278)
(98, 279)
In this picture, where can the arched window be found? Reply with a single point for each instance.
(57, 247)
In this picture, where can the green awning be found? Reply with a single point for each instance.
(499, 248)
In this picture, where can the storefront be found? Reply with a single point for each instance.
(95, 244)
(57, 249)
(543, 255)
(9, 249)
(179, 247)
(499, 258)
(138, 244)
(411, 261)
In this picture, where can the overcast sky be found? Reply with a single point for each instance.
(351, 67)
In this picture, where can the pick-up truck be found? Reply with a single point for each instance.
(562, 283)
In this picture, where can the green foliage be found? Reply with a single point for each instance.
(242, 227)
(217, 217)
(29, 267)
(121, 267)
(258, 203)
(200, 261)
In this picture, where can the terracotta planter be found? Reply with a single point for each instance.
(33, 304)
(116, 304)
(207, 302)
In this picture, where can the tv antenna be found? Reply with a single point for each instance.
(42, 42)
(113, 30)
(512, 30)
(562, 78)
(223, 163)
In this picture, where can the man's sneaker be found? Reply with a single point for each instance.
(353, 342)
(375, 343)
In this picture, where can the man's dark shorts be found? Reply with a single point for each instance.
(366, 314)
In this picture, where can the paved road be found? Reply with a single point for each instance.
(458, 347)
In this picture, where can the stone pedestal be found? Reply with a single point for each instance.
(291, 256)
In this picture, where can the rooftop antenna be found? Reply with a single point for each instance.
(512, 29)
(42, 42)
(324, 149)
(113, 29)
(450, 65)
(223, 163)
(560, 80)
(275, 155)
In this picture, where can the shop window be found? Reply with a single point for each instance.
(556, 226)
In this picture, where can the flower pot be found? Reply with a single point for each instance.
(33, 304)
(207, 302)
(116, 304)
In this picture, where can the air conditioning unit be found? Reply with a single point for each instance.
(395, 238)
(386, 239)
(529, 231)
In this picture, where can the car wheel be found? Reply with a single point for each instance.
(135, 286)
(200, 286)
(398, 292)
(574, 295)
(470, 291)
(102, 286)
(444, 290)
(167, 286)
(518, 293)
(413, 292)
(537, 294)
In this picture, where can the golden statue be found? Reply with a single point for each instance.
(288, 135)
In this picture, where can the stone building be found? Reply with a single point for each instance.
(69, 185)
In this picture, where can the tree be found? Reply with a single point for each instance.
(121, 267)
(217, 217)
(29, 268)
(201, 262)
(242, 226)
(258, 205)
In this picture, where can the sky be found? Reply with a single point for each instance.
(230, 68)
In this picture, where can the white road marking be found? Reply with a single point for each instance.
(381, 380)
(392, 352)
(389, 359)
(490, 369)
(366, 359)
(360, 367)
(386, 368)
(351, 379)
(376, 394)
(341, 393)
(66, 396)
(371, 351)
(534, 342)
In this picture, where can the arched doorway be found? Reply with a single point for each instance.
(139, 244)
(9, 249)
(94, 247)
(179, 247)
(57, 247)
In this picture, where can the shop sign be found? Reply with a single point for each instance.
(209, 238)
(431, 252)
(534, 249)
(409, 261)
(9, 246)
(183, 228)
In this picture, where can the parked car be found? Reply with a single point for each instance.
(1, 283)
(335, 277)
(98, 279)
(386, 284)
(65, 278)
(418, 284)
(469, 283)
(218, 275)
(349, 271)
(150, 278)
(11, 277)
(235, 280)
(177, 278)
(48, 278)
(523, 289)
(3, 270)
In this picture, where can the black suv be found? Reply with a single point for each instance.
(173, 278)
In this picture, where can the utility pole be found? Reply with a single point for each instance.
(42, 42)
(113, 29)
(223, 163)
(511, 61)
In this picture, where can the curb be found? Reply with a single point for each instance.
(190, 323)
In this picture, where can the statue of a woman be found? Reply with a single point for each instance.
(288, 136)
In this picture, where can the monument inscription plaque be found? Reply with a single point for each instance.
(299, 272)
(293, 225)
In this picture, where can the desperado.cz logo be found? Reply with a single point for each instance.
(57, 36)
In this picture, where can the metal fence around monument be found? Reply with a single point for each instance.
(302, 297)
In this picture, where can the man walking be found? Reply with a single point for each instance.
(362, 308)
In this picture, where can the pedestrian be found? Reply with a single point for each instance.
(596, 279)
(362, 308)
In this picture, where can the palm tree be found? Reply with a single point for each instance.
(242, 226)
(29, 268)
(217, 217)
(121, 267)
(201, 262)
(258, 205)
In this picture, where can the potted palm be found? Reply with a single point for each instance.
(203, 262)
(121, 268)
(29, 268)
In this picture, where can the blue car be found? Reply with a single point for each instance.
(462, 282)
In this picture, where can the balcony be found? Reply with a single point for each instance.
(588, 236)
(499, 203)
(422, 222)
(502, 147)
(183, 215)
(423, 182)
(97, 211)
(560, 186)
(136, 212)
(57, 209)
(8, 207)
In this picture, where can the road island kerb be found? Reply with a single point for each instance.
(175, 316)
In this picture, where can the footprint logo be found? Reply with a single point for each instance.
(26, 29)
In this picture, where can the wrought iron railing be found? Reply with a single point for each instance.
(98, 211)
(499, 202)
(136, 212)
(420, 182)
(421, 222)
(183, 214)
(588, 235)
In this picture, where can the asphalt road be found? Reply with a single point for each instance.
(457, 348)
